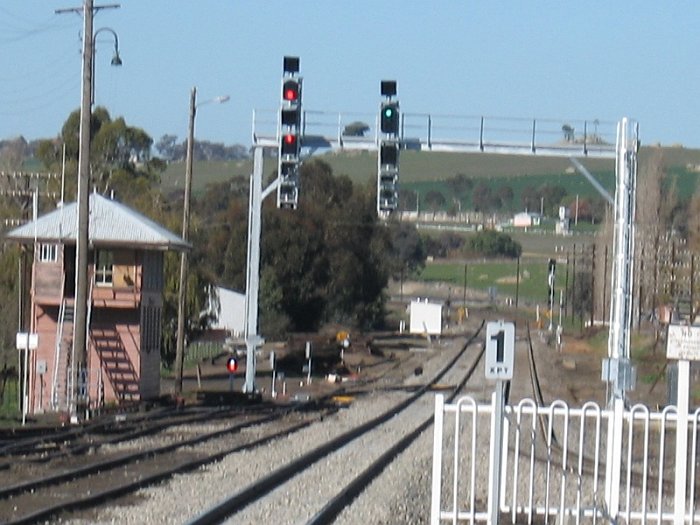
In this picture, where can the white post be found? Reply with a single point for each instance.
(681, 473)
(495, 453)
(308, 356)
(273, 364)
(253, 270)
(437, 460)
(25, 405)
(613, 463)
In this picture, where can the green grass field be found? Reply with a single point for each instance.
(425, 171)
(499, 274)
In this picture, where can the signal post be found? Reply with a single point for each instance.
(389, 146)
(287, 186)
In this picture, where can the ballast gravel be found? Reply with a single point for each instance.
(404, 498)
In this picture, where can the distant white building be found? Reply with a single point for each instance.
(230, 315)
(526, 219)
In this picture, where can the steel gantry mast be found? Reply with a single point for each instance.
(617, 368)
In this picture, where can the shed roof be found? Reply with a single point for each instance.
(111, 224)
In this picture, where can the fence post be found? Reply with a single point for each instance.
(437, 459)
(681, 473)
(613, 463)
(495, 453)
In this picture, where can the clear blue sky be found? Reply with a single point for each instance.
(564, 60)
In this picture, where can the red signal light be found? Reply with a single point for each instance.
(290, 91)
(289, 144)
(231, 364)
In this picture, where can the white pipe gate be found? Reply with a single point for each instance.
(553, 464)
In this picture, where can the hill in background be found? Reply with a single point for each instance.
(422, 171)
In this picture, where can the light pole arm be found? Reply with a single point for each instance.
(116, 60)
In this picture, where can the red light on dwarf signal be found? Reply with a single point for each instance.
(231, 364)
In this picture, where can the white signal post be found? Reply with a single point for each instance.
(25, 342)
(308, 364)
(273, 364)
(499, 358)
(257, 196)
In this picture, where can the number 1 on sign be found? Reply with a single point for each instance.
(499, 338)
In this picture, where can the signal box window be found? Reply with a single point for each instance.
(48, 252)
(104, 268)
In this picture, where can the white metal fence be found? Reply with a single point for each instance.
(557, 464)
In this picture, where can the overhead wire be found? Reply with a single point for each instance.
(35, 81)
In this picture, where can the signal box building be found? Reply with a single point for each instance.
(124, 311)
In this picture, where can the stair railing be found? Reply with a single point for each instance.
(59, 344)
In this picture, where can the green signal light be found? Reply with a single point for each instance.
(388, 112)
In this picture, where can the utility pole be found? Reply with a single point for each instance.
(81, 257)
(182, 292)
(79, 357)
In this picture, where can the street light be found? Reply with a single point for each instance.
(182, 291)
(116, 59)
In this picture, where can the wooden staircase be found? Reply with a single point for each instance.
(61, 386)
(117, 367)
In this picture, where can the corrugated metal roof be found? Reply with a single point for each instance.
(111, 223)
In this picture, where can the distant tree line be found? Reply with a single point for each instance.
(483, 195)
(171, 150)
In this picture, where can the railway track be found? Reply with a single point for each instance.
(259, 489)
(55, 490)
(64, 442)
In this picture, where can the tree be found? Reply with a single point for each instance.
(12, 153)
(495, 244)
(9, 257)
(434, 200)
(694, 223)
(443, 245)
(505, 195)
(568, 133)
(548, 196)
(407, 253)
(120, 157)
(168, 148)
(482, 198)
(328, 261)
(355, 129)
(460, 184)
